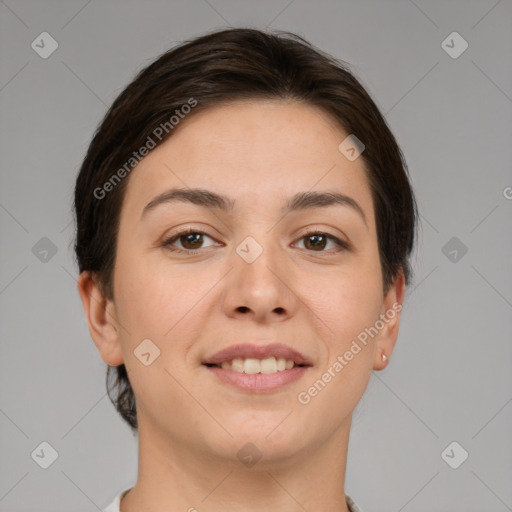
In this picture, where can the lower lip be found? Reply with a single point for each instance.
(258, 382)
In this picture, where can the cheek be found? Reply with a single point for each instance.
(158, 300)
(346, 302)
(155, 304)
(348, 305)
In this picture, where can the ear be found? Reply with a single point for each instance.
(390, 317)
(101, 318)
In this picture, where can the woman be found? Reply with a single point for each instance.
(244, 227)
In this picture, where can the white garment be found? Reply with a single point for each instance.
(114, 506)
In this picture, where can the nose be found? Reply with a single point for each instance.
(260, 289)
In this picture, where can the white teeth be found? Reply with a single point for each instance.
(253, 366)
(269, 365)
(237, 365)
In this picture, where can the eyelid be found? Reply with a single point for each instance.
(340, 242)
(326, 230)
(168, 241)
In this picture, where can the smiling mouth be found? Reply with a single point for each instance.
(253, 366)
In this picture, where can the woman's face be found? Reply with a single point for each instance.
(261, 267)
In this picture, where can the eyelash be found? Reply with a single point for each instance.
(167, 243)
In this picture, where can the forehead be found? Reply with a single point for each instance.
(257, 152)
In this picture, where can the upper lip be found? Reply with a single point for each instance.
(243, 351)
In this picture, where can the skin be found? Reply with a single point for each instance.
(191, 425)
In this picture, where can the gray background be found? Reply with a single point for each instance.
(449, 378)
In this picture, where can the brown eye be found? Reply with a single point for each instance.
(188, 241)
(191, 240)
(315, 242)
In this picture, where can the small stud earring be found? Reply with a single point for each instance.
(384, 357)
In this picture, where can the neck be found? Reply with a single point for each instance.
(173, 476)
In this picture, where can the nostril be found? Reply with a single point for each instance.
(243, 309)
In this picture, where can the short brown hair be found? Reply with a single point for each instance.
(216, 68)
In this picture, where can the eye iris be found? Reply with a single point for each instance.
(194, 240)
(319, 241)
(191, 238)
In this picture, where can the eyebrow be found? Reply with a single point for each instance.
(208, 199)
